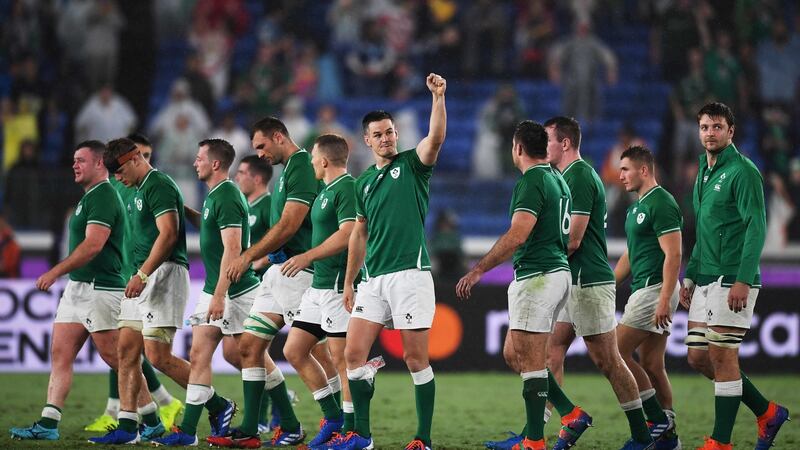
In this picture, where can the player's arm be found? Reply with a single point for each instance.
(577, 229)
(231, 248)
(670, 244)
(748, 191)
(623, 268)
(96, 237)
(356, 252)
(334, 244)
(167, 225)
(522, 223)
(428, 148)
(192, 215)
(292, 217)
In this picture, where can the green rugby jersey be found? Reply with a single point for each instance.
(394, 200)
(542, 192)
(589, 263)
(334, 205)
(224, 207)
(100, 205)
(259, 222)
(297, 183)
(729, 210)
(655, 214)
(156, 195)
(126, 194)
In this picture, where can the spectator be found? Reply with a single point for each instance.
(214, 29)
(267, 84)
(54, 129)
(178, 127)
(21, 32)
(617, 199)
(370, 61)
(105, 116)
(779, 66)
(19, 125)
(22, 190)
(299, 127)
(10, 253)
(780, 211)
(236, 135)
(496, 123)
(724, 73)
(199, 87)
(485, 21)
(446, 246)
(304, 71)
(776, 137)
(101, 48)
(438, 36)
(793, 188)
(675, 32)
(27, 86)
(533, 34)
(575, 64)
(344, 18)
(687, 98)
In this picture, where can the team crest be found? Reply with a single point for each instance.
(79, 209)
(205, 214)
(324, 203)
(251, 219)
(723, 176)
(395, 173)
(139, 204)
(640, 218)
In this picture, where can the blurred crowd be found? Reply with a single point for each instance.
(79, 69)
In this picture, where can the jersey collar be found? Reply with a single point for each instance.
(571, 164)
(146, 177)
(336, 180)
(96, 186)
(259, 198)
(226, 180)
(652, 189)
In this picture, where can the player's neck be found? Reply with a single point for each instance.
(94, 182)
(291, 149)
(332, 173)
(530, 162)
(647, 185)
(258, 192)
(216, 178)
(569, 158)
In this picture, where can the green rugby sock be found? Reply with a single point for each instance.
(557, 397)
(727, 397)
(534, 392)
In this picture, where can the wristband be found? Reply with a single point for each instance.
(143, 276)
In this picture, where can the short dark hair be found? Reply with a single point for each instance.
(140, 139)
(334, 147)
(269, 125)
(717, 110)
(566, 128)
(115, 149)
(533, 138)
(258, 166)
(374, 116)
(219, 150)
(96, 147)
(641, 155)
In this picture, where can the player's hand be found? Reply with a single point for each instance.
(662, 318)
(737, 296)
(464, 285)
(348, 298)
(295, 264)
(134, 288)
(216, 308)
(44, 282)
(686, 293)
(436, 84)
(237, 267)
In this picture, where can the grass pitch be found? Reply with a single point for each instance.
(470, 408)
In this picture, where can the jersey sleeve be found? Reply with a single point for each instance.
(346, 203)
(99, 210)
(301, 184)
(229, 209)
(528, 197)
(359, 198)
(666, 218)
(417, 166)
(748, 189)
(162, 198)
(583, 194)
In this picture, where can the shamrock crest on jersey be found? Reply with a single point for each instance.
(139, 204)
(251, 219)
(324, 203)
(640, 218)
(395, 173)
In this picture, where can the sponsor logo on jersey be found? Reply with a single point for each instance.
(395, 173)
(640, 218)
(717, 187)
